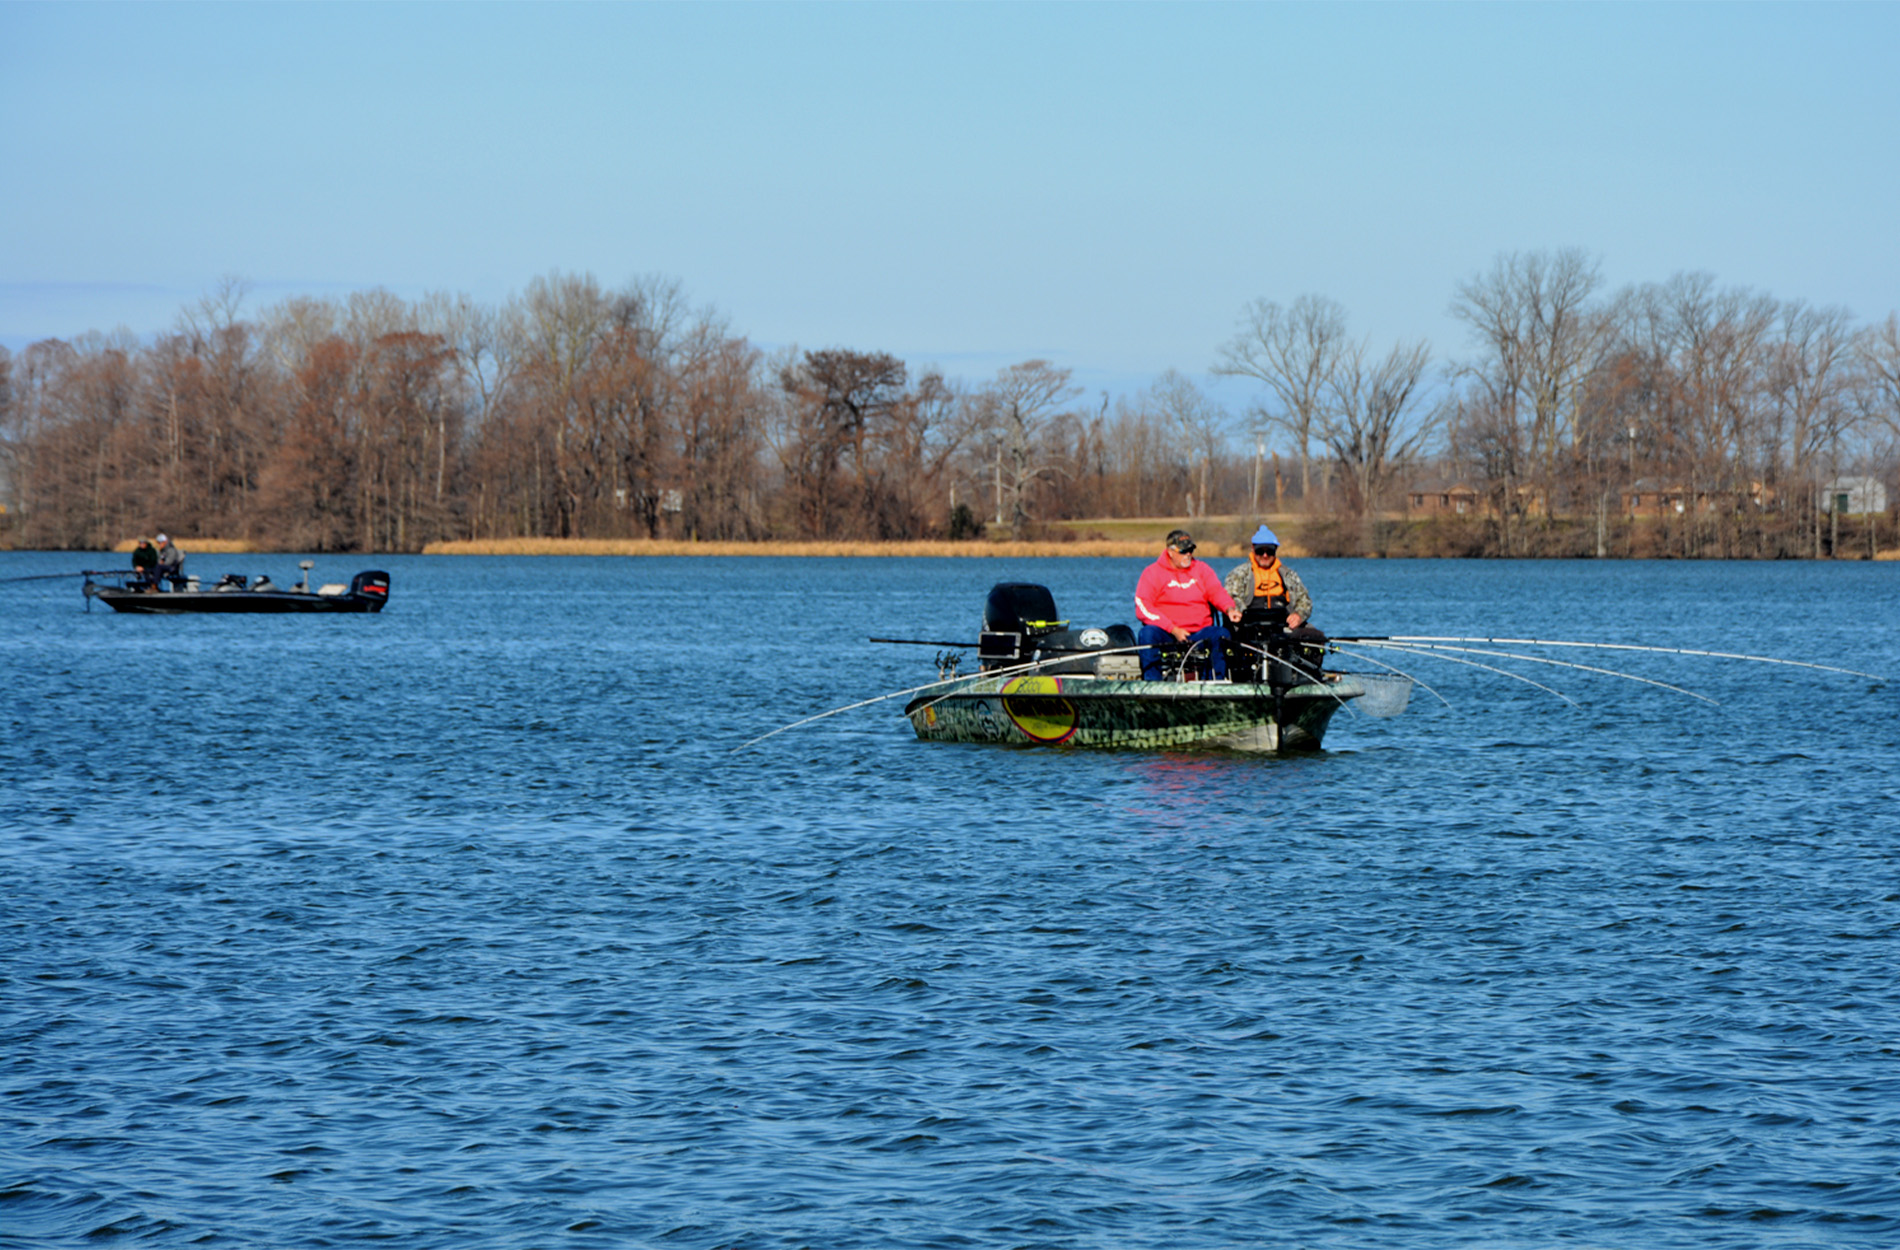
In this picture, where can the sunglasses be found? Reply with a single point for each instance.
(1186, 549)
(1265, 551)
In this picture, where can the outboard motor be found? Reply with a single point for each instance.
(1020, 626)
(372, 584)
(1014, 616)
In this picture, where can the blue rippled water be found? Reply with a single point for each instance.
(466, 925)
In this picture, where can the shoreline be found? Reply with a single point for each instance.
(1081, 548)
(682, 547)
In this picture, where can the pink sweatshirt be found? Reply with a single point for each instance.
(1178, 598)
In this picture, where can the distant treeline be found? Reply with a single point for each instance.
(577, 411)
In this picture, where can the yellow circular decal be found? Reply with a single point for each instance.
(1034, 703)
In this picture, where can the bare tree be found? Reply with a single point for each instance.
(1371, 422)
(1807, 366)
(838, 404)
(1200, 423)
(1540, 337)
(1293, 352)
(486, 343)
(1019, 403)
(1878, 350)
(10, 441)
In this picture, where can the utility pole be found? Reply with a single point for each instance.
(1259, 457)
(999, 483)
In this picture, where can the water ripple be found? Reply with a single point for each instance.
(464, 925)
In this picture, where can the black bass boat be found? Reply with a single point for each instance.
(368, 591)
(1041, 683)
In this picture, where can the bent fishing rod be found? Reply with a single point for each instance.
(929, 685)
(1605, 646)
(1433, 650)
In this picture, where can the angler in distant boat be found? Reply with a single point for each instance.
(145, 563)
(171, 563)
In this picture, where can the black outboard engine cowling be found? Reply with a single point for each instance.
(371, 584)
(1020, 626)
(1020, 608)
(1014, 616)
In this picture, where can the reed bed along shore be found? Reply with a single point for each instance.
(652, 547)
(1144, 549)
(213, 546)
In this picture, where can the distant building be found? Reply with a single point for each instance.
(1437, 496)
(1852, 496)
(1650, 496)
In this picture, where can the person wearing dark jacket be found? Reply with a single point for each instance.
(145, 564)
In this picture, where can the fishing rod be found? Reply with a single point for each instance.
(1489, 668)
(922, 642)
(929, 685)
(1431, 649)
(1394, 669)
(1609, 646)
(47, 577)
(1285, 663)
(1054, 659)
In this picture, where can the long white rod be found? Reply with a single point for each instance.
(1624, 646)
(1451, 659)
(1430, 649)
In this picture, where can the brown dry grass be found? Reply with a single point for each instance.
(189, 545)
(1219, 538)
(647, 547)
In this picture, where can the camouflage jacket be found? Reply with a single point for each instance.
(1240, 585)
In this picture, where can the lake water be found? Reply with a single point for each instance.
(467, 925)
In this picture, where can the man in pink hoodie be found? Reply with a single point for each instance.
(1172, 601)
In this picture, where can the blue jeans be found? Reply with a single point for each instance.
(1209, 639)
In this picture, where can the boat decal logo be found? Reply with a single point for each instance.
(1036, 707)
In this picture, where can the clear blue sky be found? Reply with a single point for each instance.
(967, 184)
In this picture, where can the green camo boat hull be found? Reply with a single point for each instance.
(1086, 711)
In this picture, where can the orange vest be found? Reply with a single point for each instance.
(1269, 588)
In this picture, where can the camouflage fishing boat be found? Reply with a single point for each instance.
(1042, 683)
